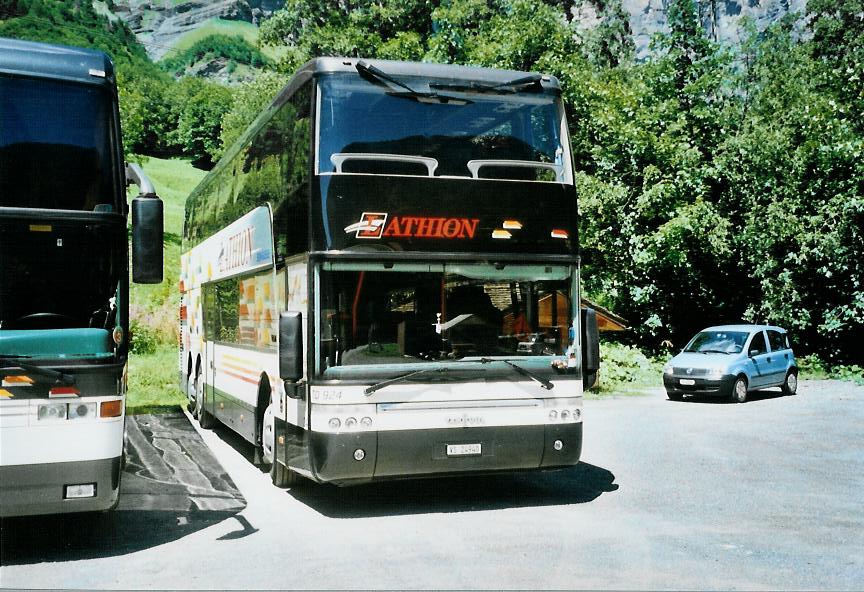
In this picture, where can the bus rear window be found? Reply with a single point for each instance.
(55, 146)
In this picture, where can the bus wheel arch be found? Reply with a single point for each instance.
(264, 422)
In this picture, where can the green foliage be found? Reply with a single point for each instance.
(214, 47)
(144, 339)
(153, 380)
(624, 368)
(198, 106)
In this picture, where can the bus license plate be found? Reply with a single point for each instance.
(688, 381)
(463, 449)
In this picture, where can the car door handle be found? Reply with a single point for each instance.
(767, 359)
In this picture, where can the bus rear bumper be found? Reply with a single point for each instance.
(28, 490)
(423, 453)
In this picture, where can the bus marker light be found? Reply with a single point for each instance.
(63, 391)
(501, 234)
(359, 454)
(17, 381)
(111, 408)
(558, 445)
(281, 440)
(117, 335)
(51, 411)
(81, 410)
(512, 225)
(80, 490)
(40, 228)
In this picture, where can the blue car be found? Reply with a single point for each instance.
(732, 360)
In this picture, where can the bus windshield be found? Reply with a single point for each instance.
(378, 314)
(55, 146)
(446, 128)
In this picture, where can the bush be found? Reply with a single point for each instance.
(143, 339)
(624, 367)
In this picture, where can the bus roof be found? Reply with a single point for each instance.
(59, 62)
(474, 73)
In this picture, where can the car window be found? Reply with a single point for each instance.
(758, 344)
(777, 340)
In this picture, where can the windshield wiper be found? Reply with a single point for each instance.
(545, 383)
(510, 86)
(402, 377)
(377, 76)
(60, 378)
(712, 351)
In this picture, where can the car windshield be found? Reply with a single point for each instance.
(55, 146)
(378, 319)
(371, 128)
(721, 342)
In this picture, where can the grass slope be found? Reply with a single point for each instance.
(218, 26)
(154, 308)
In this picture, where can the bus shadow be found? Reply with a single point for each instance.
(575, 485)
(73, 537)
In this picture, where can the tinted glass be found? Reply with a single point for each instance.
(723, 342)
(367, 128)
(240, 311)
(273, 167)
(758, 344)
(55, 146)
(777, 340)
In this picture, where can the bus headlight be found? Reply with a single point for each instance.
(350, 423)
(50, 411)
(334, 423)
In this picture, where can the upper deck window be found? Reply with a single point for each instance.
(444, 129)
(55, 146)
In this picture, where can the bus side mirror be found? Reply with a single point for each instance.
(291, 346)
(147, 229)
(590, 348)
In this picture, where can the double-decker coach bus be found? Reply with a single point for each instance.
(381, 278)
(64, 278)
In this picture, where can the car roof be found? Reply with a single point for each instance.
(744, 328)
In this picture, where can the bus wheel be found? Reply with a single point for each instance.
(205, 420)
(192, 397)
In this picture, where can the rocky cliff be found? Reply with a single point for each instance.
(158, 23)
(721, 18)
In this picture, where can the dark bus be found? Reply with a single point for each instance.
(380, 279)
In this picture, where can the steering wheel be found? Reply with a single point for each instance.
(43, 320)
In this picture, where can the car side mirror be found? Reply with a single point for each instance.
(291, 346)
(754, 352)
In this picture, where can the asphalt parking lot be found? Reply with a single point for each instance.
(670, 495)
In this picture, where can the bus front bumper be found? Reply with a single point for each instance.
(368, 456)
(27, 490)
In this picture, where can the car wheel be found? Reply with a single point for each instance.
(739, 390)
(674, 396)
(790, 385)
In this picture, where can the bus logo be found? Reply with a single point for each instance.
(375, 225)
(371, 225)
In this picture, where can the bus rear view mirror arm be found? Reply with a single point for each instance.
(291, 346)
(147, 229)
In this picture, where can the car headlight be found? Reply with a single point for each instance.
(715, 373)
(668, 370)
